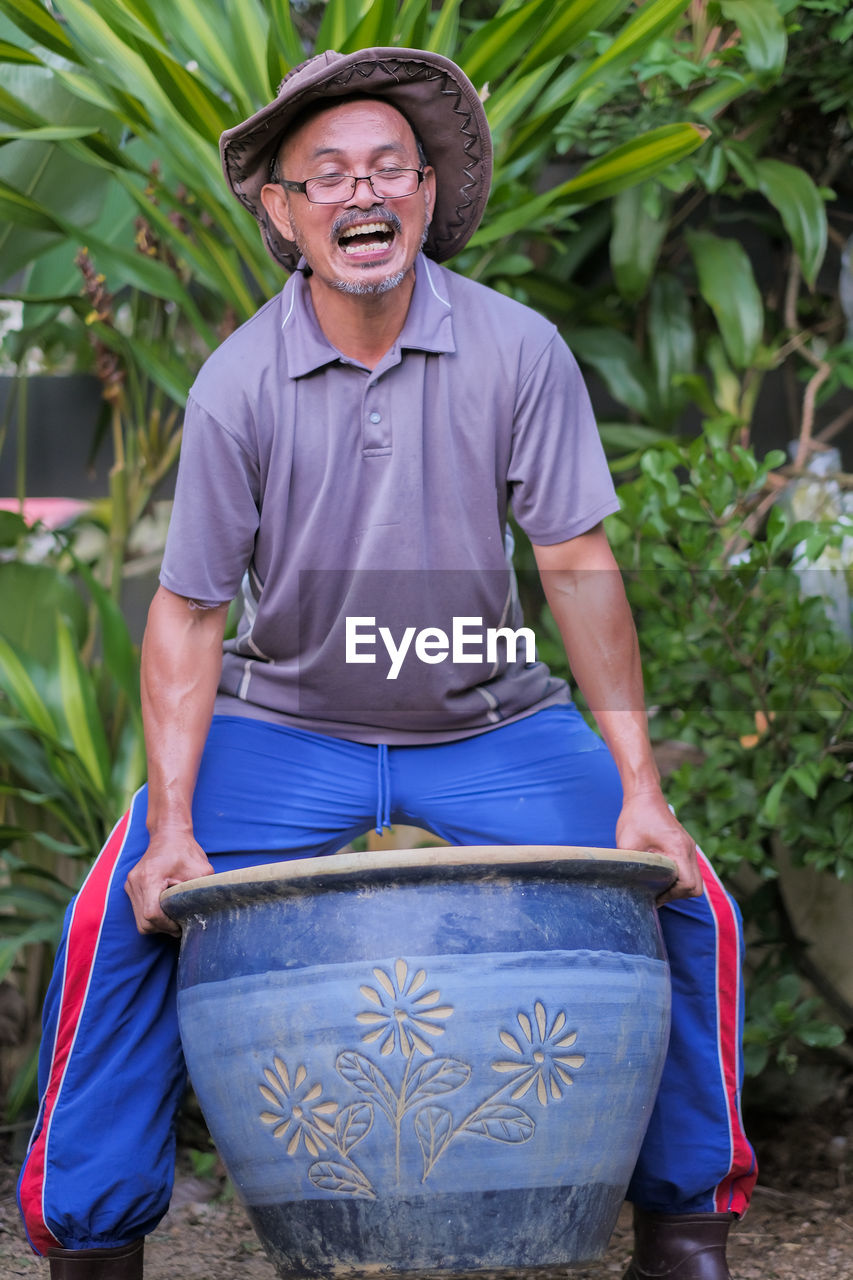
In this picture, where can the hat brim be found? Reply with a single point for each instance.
(433, 94)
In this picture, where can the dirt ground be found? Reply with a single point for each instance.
(799, 1228)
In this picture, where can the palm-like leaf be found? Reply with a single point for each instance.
(172, 80)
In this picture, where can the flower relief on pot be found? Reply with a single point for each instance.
(409, 1096)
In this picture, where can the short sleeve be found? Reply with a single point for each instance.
(215, 515)
(560, 484)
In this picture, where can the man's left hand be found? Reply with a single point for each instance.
(648, 825)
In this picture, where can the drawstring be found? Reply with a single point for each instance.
(383, 789)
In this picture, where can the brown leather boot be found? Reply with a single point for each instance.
(123, 1263)
(680, 1246)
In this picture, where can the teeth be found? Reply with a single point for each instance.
(361, 228)
(355, 250)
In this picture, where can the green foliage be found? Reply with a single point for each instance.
(749, 674)
(69, 696)
(782, 1023)
(744, 665)
(136, 102)
(750, 684)
(70, 746)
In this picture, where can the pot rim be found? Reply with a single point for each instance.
(430, 859)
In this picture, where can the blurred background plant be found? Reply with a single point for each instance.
(752, 688)
(70, 753)
(663, 177)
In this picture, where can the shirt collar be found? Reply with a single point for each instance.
(428, 325)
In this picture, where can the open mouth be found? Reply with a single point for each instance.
(366, 239)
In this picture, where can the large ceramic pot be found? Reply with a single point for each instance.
(436, 1062)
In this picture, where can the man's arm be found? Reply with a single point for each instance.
(584, 589)
(181, 664)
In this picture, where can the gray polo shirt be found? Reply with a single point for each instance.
(362, 515)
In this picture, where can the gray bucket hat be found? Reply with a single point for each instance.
(435, 96)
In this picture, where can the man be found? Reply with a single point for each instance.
(349, 458)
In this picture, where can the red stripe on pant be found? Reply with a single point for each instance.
(733, 1193)
(86, 922)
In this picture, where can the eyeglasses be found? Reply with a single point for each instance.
(335, 188)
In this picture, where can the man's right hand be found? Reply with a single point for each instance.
(181, 662)
(170, 859)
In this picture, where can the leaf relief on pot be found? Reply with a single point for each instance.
(403, 1019)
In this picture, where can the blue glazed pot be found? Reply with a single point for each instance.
(436, 1062)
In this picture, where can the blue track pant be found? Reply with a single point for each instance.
(99, 1169)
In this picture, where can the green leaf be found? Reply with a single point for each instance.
(166, 87)
(42, 183)
(36, 21)
(727, 86)
(763, 36)
(494, 46)
(132, 19)
(800, 206)
(23, 900)
(166, 371)
(10, 950)
(514, 99)
(672, 340)
(34, 596)
(22, 1088)
(755, 1059)
(18, 745)
(13, 527)
(776, 532)
(119, 652)
(53, 281)
(728, 286)
(123, 268)
(123, 107)
(727, 386)
(231, 47)
(13, 110)
(203, 27)
(821, 1035)
(442, 38)
(62, 847)
(339, 19)
(629, 436)
(129, 764)
(215, 264)
(827, 705)
(14, 53)
(616, 360)
(523, 215)
(21, 211)
(376, 28)
(248, 24)
(635, 242)
(81, 711)
(412, 24)
(568, 24)
(712, 168)
(16, 682)
(654, 19)
(285, 33)
(632, 162)
(806, 777)
(770, 808)
(46, 133)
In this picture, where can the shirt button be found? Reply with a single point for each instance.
(375, 417)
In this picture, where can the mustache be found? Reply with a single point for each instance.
(354, 217)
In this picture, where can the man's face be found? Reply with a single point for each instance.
(363, 245)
